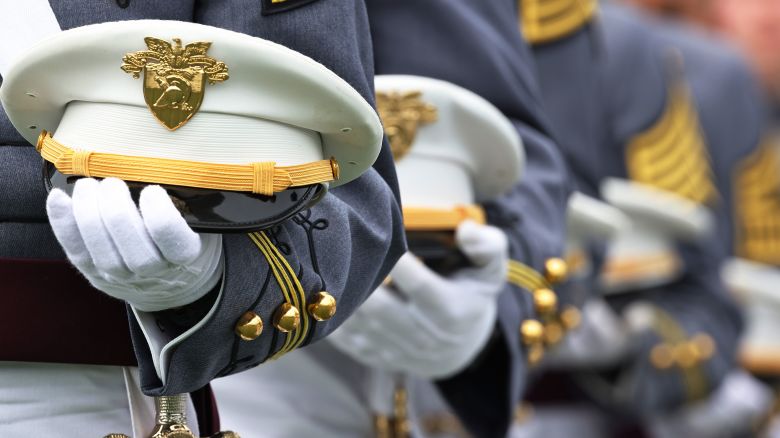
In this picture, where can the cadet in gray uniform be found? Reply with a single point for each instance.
(614, 88)
(359, 224)
(484, 53)
(751, 274)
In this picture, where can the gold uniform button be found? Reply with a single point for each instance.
(662, 356)
(249, 326)
(322, 307)
(571, 318)
(553, 333)
(532, 332)
(705, 346)
(555, 270)
(535, 354)
(287, 318)
(545, 301)
(686, 355)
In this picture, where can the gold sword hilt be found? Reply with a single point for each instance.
(171, 418)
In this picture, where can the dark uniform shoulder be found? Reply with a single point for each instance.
(634, 79)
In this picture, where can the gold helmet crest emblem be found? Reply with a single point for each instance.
(402, 114)
(174, 77)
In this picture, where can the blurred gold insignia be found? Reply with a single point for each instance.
(402, 114)
(544, 21)
(672, 155)
(757, 198)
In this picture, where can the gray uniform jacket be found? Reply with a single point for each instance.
(477, 45)
(609, 82)
(346, 244)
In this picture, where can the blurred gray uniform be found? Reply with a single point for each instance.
(484, 52)
(753, 273)
(732, 117)
(623, 106)
(346, 244)
(755, 278)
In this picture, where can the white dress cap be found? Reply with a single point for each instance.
(757, 286)
(589, 220)
(464, 152)
(266, 103)
(644, 255)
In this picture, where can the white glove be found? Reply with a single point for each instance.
(431, 326)
(602, 339)
(739, 404)
(149, 258)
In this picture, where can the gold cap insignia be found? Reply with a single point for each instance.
(174, 77)
(402, 114)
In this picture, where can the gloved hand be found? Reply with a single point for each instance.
(426, 324)
(149, 258)
(734, 409)
(601, 340)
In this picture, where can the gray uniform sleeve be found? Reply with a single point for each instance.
(344, 245)
(477, 45)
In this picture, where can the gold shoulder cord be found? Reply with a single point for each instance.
(291, 289)
(544, 21)
(757, 202)
(263, 178)
(672, 155)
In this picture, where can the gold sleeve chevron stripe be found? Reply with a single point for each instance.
(545, 21)
(757, 202)
(525, 277)
(672, 155)
(291, 289)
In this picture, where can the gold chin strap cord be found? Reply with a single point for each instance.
(437, 219)
(663, 264)
(263, 178)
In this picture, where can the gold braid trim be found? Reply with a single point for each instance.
(676, 339)
(757, 199)
(524, 276)
(671, 155)
(544, 21)
(433, 219)
(291, 289)
(617, 271)
(263, 178)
